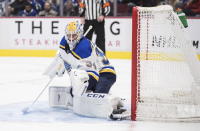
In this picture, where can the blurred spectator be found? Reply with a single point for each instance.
(75, 4)
(55, 4)
(38, 5)
(48, 11)
(2, 7)
(178, 9)
(184, 1)
(69, 9)
(28, 11)
(17, 6)
(133, 3)
(178, 6)
(192, 8)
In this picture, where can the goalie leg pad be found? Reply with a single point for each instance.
(60, 97)
(95, 105)
(79, 81)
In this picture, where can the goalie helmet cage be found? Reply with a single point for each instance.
(165, 76)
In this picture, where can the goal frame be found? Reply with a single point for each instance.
(134, 62)
(184, 110)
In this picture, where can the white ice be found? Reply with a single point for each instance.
(21, 80)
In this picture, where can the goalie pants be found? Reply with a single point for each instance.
(104, 83)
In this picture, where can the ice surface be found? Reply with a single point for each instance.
(21, 80)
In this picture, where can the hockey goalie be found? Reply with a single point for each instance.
(91, 76)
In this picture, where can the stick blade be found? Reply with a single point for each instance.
(25, 111)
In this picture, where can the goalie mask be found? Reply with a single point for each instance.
(73, 33)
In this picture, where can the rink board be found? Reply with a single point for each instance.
(40, 37)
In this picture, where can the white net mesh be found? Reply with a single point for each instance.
(168, 75)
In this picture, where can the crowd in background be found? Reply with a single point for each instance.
(38, 8)
(189, 7)
(53, 8)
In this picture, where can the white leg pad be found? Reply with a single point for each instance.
(79, 81)
(60, 97)
(94, 105)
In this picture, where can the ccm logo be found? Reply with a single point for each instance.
(96, 95)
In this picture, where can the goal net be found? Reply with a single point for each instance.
(165, 67)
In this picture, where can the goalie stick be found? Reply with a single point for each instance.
(27, 109)
(88, 30)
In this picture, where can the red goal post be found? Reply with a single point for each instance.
(165, 67)
(134, 64)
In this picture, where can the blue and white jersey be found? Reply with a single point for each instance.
(85, 55)
(82, 49)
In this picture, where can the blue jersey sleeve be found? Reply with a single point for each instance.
(63, 43)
